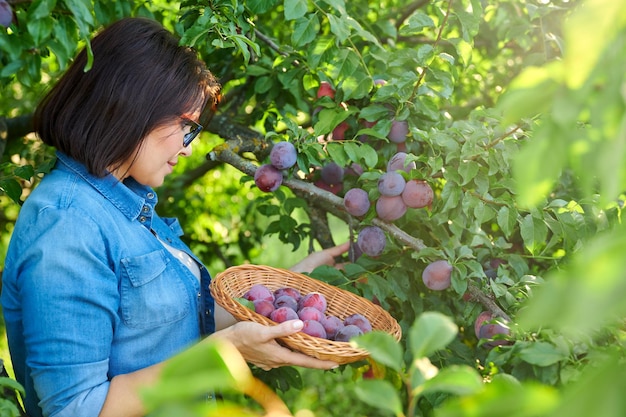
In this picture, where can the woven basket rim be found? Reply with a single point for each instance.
(234, 281)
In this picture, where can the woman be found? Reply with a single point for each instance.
(98, 290)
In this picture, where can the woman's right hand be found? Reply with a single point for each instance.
(257, 344)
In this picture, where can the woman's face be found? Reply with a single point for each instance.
(158, 154)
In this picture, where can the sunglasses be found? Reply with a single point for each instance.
(196, 128)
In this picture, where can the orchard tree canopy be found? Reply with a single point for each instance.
(508, 284)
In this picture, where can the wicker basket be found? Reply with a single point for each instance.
(235, 281)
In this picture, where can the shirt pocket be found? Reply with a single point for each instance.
(152, 294)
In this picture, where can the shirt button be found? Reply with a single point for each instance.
(207, 312)
(142, 219)
(145, 209)
(150, 196)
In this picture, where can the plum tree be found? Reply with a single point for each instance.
(391, 184)
(390, 208)
(356, 202)
(372, 240)
(283, 155)
(268, 178)
(437, 275)
(417, 194)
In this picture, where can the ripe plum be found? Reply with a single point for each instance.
(264, 307)
(417, 194)
(391, 184)
(259, 292)
(283, 314)
(286, 301)
(371, 240)
(390, 208)
(399, 131)
(436, 275)
(360, 321)
(283, 155)
(325, 90)
(314, 328)
(6, 14)
(397, 162)
(268, 178)
(288, 291)
(313, 299)
(310, 313)
(348, 332)
(356, 202)
(331, 324)
(332, 173)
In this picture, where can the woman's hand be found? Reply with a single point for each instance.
(322, 257)
(257, 345)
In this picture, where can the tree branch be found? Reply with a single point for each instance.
(325, 200)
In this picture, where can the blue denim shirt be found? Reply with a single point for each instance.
(90, 293)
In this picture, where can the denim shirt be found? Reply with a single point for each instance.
(90, 293)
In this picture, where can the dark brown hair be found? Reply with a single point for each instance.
(141, 78)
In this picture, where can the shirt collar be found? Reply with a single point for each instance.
(128, 196)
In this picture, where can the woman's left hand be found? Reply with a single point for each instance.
(257, 344)
(322, 257)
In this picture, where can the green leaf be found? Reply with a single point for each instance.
(534, 233)
(598, 392)
(295, 9)
(455, 379)
(305, 30)
(504, 396)
(380, 394)
(416, 23)
(587, 32)
(261, 6)
(10, 383)
(468, 171)
(337, 153)
(208, 366)
(507, 219)
(11, 188)
(542, 354)
(530, 93)
(383, 348)
(431, 332)
(339, 27)
(585, 296)
(81, 9)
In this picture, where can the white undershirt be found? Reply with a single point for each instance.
(183, 257)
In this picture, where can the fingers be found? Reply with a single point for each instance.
(339, 249)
